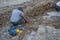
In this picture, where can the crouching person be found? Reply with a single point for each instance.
(17, 17)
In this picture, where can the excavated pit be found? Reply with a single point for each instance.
(34, 11)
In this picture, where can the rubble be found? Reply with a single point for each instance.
(31, 10)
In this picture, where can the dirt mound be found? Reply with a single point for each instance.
(32, 9)
(40, 7)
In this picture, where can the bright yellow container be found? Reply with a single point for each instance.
(19, 32)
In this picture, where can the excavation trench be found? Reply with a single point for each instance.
(34, 12)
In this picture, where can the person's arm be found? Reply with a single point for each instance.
(25, 18)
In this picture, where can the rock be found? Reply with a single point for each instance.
(47, 33)
(41, 29)
(31, 35)
(52, 18)
(26, 37)
(30, 26)
(58, 38)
